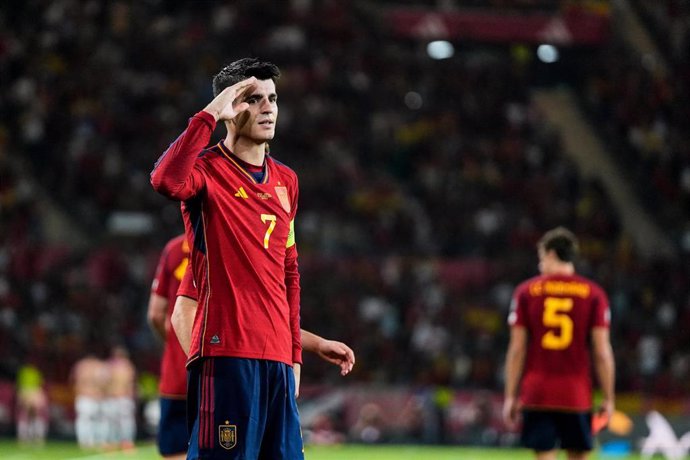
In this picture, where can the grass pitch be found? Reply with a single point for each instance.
(10, 450)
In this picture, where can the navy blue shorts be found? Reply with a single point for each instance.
(172, 429)
(242, 409)
(548, 430)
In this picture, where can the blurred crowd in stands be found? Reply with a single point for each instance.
(424, 184)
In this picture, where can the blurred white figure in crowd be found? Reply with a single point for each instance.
(369, 425)
(662, 439)
(32, 406)
(120, 404)
(90, 376)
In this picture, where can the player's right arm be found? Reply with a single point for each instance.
(175, 174)
(515, 361)
(157, 313)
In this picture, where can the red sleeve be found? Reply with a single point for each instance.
(293, 298)
(602, 312)
(517, 308)
(161, 282)
(293, 288)
(175, 174)
(187, 287)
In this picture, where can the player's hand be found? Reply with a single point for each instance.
(337, 353)
(600, 419)
(511, 413)
(297, 369)
(602, 416)
(228, 104)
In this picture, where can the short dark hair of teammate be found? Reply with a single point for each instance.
(241, 70)
(562, 241)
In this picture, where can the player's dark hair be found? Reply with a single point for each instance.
(562, 241)
(241, 70)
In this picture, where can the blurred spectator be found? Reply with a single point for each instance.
(120, 402)
(32, 406)
(323, 432)
(90, 377)
(369, 428)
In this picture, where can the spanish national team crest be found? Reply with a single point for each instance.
(283, 197)
(227, 435)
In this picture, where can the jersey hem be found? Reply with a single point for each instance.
(231, 354)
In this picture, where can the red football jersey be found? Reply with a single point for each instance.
(171, 267)
(244, 256)
(559, 313)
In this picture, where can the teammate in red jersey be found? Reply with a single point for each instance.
(240, 208)
(172, 274)
(172, 428)
(557, 319)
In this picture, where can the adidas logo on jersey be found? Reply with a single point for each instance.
(241, 193)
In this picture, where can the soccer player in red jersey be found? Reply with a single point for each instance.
(557, 320)
(245, 350)
(173, 274)
(172, 428)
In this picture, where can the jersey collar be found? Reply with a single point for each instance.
(234, 160)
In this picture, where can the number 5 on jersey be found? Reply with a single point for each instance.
(555, 316)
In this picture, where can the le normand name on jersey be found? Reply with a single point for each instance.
(559, 288)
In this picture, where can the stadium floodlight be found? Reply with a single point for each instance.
(547, 53)
(440, 49)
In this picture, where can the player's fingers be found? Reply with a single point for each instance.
(239, 87)
(348, 353)
(345, 368)
(241, 107)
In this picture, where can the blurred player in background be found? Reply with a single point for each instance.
(120, 401)
(172, 434)
(172, 267)
(240, 206)
(557, 319)
(32, 406)
(89, 377)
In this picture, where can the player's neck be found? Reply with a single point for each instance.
(246, 150)
(562, 270)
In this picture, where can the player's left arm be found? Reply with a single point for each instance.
(293, 298)
(292, 285)
(604, 366)
(331, 351)
(604, 362)
(515, 362)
